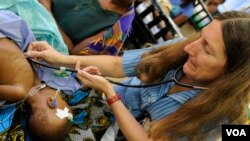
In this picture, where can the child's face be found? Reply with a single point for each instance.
(56, 117)
(43, 118)
(47, 102)
(56, 103)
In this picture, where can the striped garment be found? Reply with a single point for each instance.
(152, 99)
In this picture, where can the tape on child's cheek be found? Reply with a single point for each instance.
(64, 114)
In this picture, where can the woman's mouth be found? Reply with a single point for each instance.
(190, 64)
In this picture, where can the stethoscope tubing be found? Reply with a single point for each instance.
(173, 79)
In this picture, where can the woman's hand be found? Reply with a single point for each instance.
(91, 70)
(90, 77)
(42, 50)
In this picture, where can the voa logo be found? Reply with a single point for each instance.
(236, 132)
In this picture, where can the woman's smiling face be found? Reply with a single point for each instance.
(207, 55)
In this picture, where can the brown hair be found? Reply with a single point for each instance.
(156, 63)
(40, 127)
(228, 96)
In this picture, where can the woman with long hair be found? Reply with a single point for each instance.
(211, 75)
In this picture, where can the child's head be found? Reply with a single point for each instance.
(43, 123)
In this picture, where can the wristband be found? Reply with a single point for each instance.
(113, 99)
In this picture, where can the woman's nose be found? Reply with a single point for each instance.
(193, 47)
(189, 48)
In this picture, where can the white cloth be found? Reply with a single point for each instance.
(111, 132)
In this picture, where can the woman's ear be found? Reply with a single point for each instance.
(51, 101)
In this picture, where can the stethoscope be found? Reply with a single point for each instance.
(173, 79)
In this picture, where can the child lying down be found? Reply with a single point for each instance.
(49, 105)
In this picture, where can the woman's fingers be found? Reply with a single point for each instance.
(89, 77)
(78, 65)
(36, 49)
(35, 54)
(92, 70)
(37, 46)
(84, 79)
(81, 75)
(84, 75)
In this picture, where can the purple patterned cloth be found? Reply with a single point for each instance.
(112, 40)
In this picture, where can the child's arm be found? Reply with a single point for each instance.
(16, 74)
(11, 92)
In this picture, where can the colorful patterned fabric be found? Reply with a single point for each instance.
(15, 132)
(112, 40)
(6, 117)
(92, 116)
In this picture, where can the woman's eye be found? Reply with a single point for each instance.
(206, 48)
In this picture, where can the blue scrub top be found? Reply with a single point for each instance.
(152, 99)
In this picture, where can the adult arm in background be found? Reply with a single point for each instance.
(16, 75)
(75, 49)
